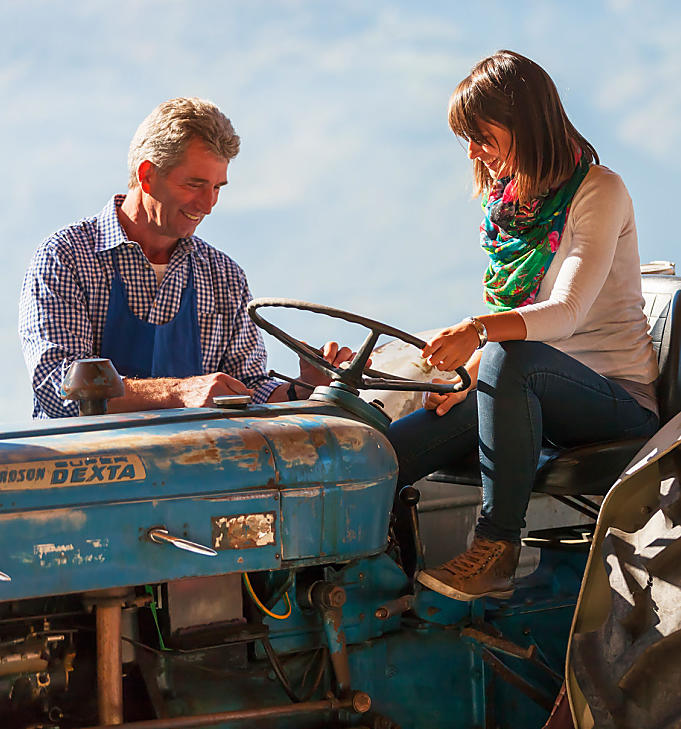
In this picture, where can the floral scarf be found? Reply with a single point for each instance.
(521, 240)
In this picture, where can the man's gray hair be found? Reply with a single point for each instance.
(163, 136)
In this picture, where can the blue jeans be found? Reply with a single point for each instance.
(528, 393)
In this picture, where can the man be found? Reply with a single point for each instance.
(135, 284)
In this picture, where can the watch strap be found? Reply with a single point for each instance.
(481, 329)
(291, 392)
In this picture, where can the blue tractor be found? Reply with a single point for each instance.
(252, 566)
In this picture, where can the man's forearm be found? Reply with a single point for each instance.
(175, 392)
(147, 394)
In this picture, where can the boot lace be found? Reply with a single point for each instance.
(474, 560)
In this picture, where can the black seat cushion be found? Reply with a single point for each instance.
(586, 470)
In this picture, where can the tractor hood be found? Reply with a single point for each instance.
(265, 487)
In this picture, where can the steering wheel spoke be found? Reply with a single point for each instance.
(378, 383)
(358, 365)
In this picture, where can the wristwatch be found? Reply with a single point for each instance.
(481, 329)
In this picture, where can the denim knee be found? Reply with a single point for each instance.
(515, 358)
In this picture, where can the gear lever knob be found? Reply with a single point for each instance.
(91, 382)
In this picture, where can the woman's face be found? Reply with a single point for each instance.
(495, 154)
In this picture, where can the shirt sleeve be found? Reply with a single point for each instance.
(245, 357)
(596, 219)
(54, 327)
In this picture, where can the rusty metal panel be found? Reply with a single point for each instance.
(62, 550)
(158, 461)
(78, 499)
(342, 478)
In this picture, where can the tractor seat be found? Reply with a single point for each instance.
(590, 470)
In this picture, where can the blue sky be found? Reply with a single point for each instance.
(349, 189)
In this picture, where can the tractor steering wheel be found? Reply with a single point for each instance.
(356, 375)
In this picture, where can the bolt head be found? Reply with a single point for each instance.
(337, 597)
(361, 702)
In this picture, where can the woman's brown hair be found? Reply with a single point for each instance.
(514, 92)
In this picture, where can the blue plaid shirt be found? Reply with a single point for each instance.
(65, 296)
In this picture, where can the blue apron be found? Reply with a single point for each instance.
(138, 348)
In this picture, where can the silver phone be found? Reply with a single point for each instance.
(231, 401)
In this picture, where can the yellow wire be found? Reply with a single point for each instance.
(251, 592)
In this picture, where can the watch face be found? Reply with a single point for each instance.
(231, 401)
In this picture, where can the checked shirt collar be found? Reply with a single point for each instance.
(110, 233)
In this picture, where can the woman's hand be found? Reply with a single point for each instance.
(442, 404)
(452, 347)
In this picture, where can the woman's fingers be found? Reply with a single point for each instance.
(450, 362)
(449, 349)
(442, 404)
(446, 360)
(432, 400)
(435, 343)
(450, 402)
(441, 346)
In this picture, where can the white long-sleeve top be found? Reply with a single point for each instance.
(589, 303)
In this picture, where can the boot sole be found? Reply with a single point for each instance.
(448, 591)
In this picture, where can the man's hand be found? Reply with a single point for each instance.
(334, 355)
(452, 347)
(311, 375)
(442, 404)
(174, 392)
(199, 391)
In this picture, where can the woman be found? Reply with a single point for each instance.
(564, 354)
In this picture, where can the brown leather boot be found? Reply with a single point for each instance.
(486, 568)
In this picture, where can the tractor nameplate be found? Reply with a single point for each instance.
(71, 472)
(244, 531)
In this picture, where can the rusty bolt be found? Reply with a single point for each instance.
(361, 702)
(326, 595)
(336, 597)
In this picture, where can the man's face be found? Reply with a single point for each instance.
(178, 200)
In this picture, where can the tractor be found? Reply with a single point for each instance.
(252, 566)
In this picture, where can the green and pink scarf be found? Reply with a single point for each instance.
(521, 240)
